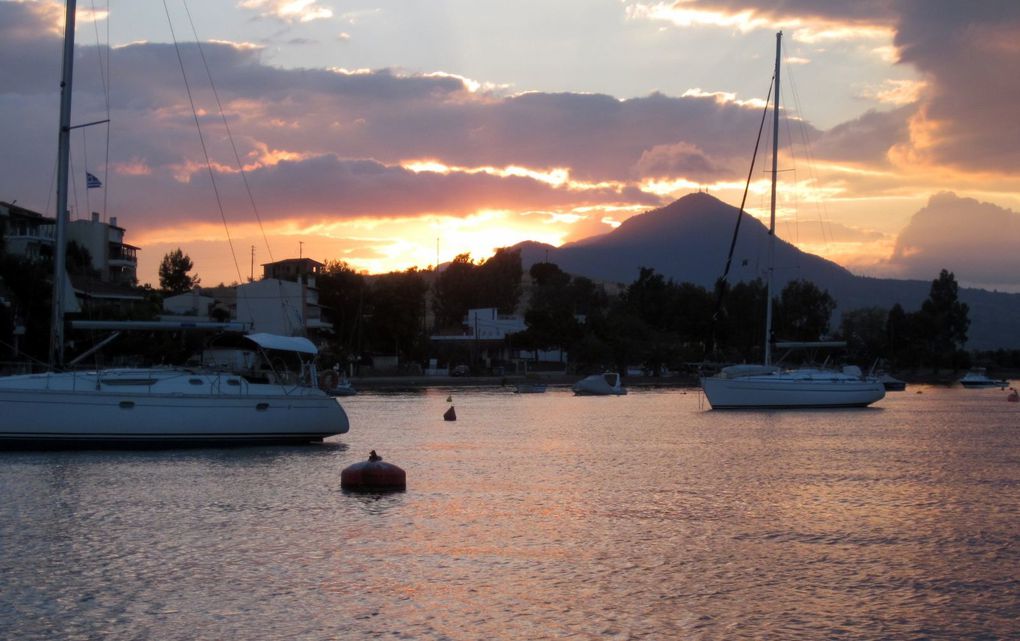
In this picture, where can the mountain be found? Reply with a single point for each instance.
(688, 240)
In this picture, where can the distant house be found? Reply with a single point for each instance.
(490, 334)
(297, 270)
(115, 260)
(25, 232)
(285, 301)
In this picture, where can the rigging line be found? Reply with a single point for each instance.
(285, 303)
(747, 186)
(823, 223)
(201, 137)
(230, 135)
(107, 79)
(85, 157)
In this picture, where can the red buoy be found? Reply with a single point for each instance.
(373, 476)
(450, 415)
(1014, 396)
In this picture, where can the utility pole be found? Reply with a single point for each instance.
(251, 274)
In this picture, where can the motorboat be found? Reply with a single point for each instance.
(255, 388)
(977, 379)
(891, 383)
(766, 386)
(607, 384)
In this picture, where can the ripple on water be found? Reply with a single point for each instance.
(539, 517)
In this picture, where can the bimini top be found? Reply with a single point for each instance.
(265, 341)
(283, 343)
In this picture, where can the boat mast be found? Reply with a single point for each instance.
(772, 208)
(56, 359)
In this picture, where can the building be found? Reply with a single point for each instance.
(490, 336)
(25, 232)
(114, 260)
(280, 307)
(296, 270)
(285, 301)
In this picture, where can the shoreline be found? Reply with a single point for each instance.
(414, 381)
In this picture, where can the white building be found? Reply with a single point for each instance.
(279, 307)
(115, 260)
(272, 305)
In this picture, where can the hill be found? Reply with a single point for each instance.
(688, 240)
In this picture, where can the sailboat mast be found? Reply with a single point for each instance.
(772, 209)
(63, 162)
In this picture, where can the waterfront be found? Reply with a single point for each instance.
(537, 516)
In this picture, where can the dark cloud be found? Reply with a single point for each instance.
(975, 240)
(327, 187)
(866, 139)
(968, 54)
(336, 120)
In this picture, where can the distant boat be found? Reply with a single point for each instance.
(335, 385)
(767, 386)
(530, 388)
(891, 383)
(977, 379)
(608, 384)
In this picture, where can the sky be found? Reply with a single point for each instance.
(390, 134)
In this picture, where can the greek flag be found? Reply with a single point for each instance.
(91, 182)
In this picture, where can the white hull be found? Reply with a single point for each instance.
(160, 408)
(784, 390)
(600, 385)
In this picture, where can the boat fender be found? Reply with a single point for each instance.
(373, 475)
(450, 415)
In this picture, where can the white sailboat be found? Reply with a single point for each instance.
(257, 388)
(768, 386)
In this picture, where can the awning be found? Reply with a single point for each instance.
(283, 343)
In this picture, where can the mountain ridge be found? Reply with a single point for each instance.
(688, 240)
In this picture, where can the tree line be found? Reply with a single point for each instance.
(653, 321)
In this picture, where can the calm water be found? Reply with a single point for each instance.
(537, 517)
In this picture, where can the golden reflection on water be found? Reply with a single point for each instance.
(537, 516)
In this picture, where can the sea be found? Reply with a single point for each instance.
(537, 516)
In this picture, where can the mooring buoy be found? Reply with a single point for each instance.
(373, 475)
(450, 415)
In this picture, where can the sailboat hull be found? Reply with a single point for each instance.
(175, 409)
(780, 392)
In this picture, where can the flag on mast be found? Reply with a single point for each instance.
(91, 182)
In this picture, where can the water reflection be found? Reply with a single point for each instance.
(536, 516)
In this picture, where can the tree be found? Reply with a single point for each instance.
(342, 293)
(499, 279)
(397, 307)
(865, 333)
(456, 291)
(803, 311)
(173, 273)
(947, 319)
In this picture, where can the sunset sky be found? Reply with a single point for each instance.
(369, 129)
